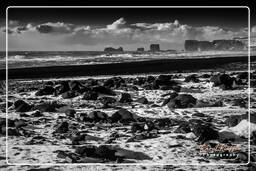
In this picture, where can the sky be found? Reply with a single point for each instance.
(93, 29)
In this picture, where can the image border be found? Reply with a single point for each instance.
(153, 163)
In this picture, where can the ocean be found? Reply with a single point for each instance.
(21, 59)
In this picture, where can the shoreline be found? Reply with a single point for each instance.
(137, 67)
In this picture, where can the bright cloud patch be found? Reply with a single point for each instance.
(120, 32)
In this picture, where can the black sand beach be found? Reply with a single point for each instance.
(153, 66)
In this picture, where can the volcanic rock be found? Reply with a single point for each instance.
(70, 113)
(103, 90)
(90, 95)
(182, 101)
(22, 106)
(125, 98)
(142, 100)
(62, 127)
(204, 132)
(97, 116)
(224, 81)
(69, 94)
(47, 90)
(122, 115)
(192, 78)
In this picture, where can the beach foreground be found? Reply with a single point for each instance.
(147, 119)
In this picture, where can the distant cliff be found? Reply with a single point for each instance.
(154, 47)
(195, 45)
(111, 49)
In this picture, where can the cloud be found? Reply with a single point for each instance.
(120, 32)
(118, 24)
(58, 28)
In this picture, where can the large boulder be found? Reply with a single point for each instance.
(204, 132)
(62, 88)
(125, 98)
(233, 120)
(103, 90)
(62, 127)
(90, 95)
(97, 116)
(224, 81)
(192, 78)
(47, 90)
(122, 115)
(69, 94)
(182, 101)
(142, 100)
(114, 82)
(22, 106)
(106, 101)
(47, 106)
(75, 85)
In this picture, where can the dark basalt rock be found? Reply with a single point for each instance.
(139, 81)
(107, 100)
(114, 82)
(253, 138)
(90, 95)
(122, 115)
(164, 123)
(224, 81)
(11, 132)
(204, 132)
(142, 100)
(37, 114)
(69, 94)
(10, 122)
(105, 152)
(163, 80)
(144, 126)
(88, 151)
(79, 138)
(103, 90)
(49, 83)
(47, 90)
(62, 88)
(240, 102)
(125, 98)
(62, 127)
(70, 113)
(22, 106)
(20, 123)
(182, 101)
(46, 106)
(97, 116)
(183, 128)
(68, 156)
(192, 78)
(233, 120)
(198, 114)
(75, 85)
(243, 75)
(206, 76)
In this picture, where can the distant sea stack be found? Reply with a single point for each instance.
(154, 47)
(111, 49)
(195, 45)
(140, 49)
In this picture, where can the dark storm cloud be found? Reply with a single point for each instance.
(122, 32)
(44, 29)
